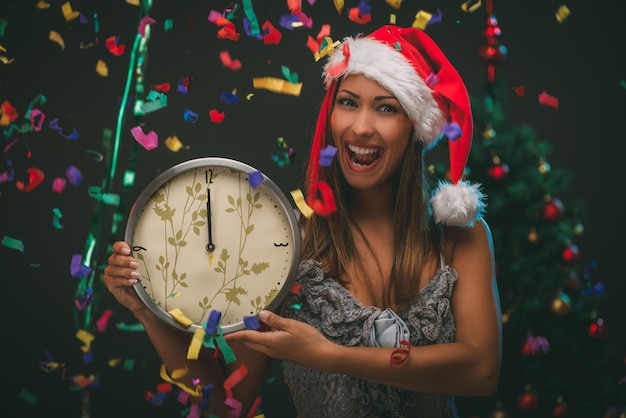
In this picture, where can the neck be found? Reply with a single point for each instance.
(374, 204)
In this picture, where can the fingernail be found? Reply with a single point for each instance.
(133, 264)
(264, 315)
(135, 274)
(132, 281)
(125, 251)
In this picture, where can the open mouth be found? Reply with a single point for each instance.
(363, 156)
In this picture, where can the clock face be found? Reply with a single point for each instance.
(209, 237)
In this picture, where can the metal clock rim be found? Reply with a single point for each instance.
(181, 167)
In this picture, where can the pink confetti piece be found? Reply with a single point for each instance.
(146, 20)
(37, 118)
(432, 80)
(149, 141)
(102, 322)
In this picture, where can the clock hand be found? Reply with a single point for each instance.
(210, 247)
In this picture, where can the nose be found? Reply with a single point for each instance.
(363, 123)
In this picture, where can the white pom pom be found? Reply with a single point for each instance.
(457, 204)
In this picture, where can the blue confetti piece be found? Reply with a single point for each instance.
(251, 322)
(255, 179)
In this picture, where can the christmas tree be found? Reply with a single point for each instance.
(558, 357)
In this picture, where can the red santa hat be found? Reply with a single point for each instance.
(409, 64)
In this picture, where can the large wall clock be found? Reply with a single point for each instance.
(213, 234)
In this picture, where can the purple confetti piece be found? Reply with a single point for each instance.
(288, 21)
(74, 175)
(77, 268)
(213, 322)
(432, 80)
(326, 155)
(255, 179)
(251, 322)
(452, 131)
(214, 15)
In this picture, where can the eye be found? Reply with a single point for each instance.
(346, 101)
(386, 108)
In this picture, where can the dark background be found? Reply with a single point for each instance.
(580, 61)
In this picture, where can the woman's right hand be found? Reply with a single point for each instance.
(121, 274)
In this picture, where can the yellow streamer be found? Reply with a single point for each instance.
(196, 344)
(177, 374)
(298, 198)
(180, 317)
(277, 85)
(471, 9)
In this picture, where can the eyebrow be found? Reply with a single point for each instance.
(375, 98)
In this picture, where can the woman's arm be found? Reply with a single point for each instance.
(469, 366)
(172, 345)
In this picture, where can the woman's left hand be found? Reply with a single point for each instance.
(286, 339)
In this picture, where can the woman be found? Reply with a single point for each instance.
(398, 310)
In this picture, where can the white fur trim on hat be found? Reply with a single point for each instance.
(457, 204)
(391, 69)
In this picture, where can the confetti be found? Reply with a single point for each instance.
(68, 13)
(228, 62)
(400, 355)
(112, 45)
(8, 113)
(13, 243)
(251, 322)
(58, 184)
(54, 124)
(562, 13)
(468, 7)
(77, 269)
(174, 144)
(326, 204)
(277, 85)
(546, 99)
(255, 179)
(149, 141)
(56, 218)
(74, 175)
(196, 344)
(452, 130)
(326, 156)
(215, 116)
(145, 21)
(55, 37)
(178, 315)
(4, 59)
(271, 35)
(422, 18)
(300, 202)
(102, 69)
(35, 178)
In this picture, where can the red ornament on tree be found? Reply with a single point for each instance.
(560, 409)
(597, 329)
(571, 254)
(527, 401)
(498, 171)
(553, 209)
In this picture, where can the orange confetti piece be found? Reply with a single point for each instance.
(102, 69)
(55, 37)
(562, 13)
(228, 62)
(355, 15)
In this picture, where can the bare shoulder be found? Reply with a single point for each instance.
(464, 242)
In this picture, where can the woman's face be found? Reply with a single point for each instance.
(370, 131)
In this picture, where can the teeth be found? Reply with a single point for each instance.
(361, 150)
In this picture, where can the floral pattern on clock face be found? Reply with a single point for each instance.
(252, 245)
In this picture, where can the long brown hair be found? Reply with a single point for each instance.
(329, 239)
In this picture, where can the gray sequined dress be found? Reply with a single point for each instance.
(325, 304)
